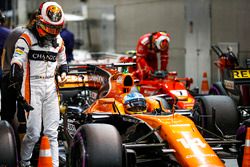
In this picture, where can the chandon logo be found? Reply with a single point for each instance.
(42, 55)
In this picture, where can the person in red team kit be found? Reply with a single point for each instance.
(152, 54)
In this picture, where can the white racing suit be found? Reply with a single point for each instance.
(39, 89)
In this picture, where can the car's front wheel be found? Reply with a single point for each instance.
(217, 114)
(96, 145)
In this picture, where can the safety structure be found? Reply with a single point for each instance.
(45, 158)
(204, 84)
(246, 155)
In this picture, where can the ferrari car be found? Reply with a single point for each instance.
(207, 111)
(162, 82)
(99, 129)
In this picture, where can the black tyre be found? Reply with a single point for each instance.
(96, 145)
(225, 119)
(8, 153)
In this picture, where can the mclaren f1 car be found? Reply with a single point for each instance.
(208, 112)
(98, 129)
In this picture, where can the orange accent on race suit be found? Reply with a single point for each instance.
(62, 47)
(26, 38)
(27, 84)
(27, 78)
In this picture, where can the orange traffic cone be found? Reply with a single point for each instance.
(45, 158)
(204, 84)
(246, 155)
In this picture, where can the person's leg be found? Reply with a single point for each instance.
(51, 122)
(34, 122)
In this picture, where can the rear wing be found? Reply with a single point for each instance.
(104, 77)
(217, 50)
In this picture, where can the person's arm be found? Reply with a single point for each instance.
(62, 65)
(20, 55)
(164, 60)
(143, 69)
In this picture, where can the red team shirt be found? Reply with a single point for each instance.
(149, 58)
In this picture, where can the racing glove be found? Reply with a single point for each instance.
(16, 79)
(16, 76)
(62, 78)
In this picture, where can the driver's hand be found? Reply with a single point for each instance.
(62, 79)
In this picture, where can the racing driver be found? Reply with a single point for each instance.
(152, 54)
(39, 53)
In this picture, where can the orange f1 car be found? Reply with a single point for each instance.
(208, 112)
(100, 130)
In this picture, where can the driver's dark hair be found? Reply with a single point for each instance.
(32, 19)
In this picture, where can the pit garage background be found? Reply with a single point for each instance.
(115, 26)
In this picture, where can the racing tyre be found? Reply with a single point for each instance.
(216, 114)
(96, 145)
(8, 153)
